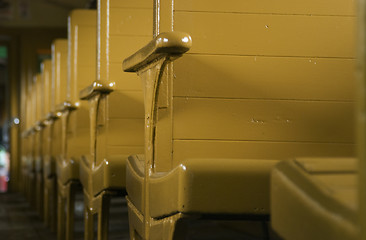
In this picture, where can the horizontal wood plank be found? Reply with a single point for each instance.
(123, 80)
(136, 22)
(122, 47)
(83, 17)
(131, 4)
(125, 132)
(263, 120)
(257, 150)
(264, 77)
(320, 7)
(125, 150)
(268, 35)
(126, 104)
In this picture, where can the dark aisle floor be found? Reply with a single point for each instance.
(19, 221)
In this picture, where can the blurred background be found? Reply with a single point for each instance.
(27, 28)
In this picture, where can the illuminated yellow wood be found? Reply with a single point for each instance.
(289, 78)
(268, 35)
(261, 81)
(361, 111)
(130, 21)
(59, 61)
(315, 198)
(75, 120)
(263, 120)
(47, 81)
(115, 106)
(286, 7)
(186, 149)
(38, 142)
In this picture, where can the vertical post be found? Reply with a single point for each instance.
(103, 216)
(88, 221)
(70, 198)
(60, 217)
(361, 118)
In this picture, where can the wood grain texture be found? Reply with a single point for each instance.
(126, 104)
(268, 35)
(185, 149)
(261, 120)
(316, 7)
(264, 77)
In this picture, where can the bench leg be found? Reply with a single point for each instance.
(103, 216)
(88, 221)
(46, 206)
(70, 216)
(60, 216)
(53, 203)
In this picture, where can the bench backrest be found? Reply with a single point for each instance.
(262, 80)
(82, 35)
(59, 86)
(37, 115)
(361, 121)
(46, 69)
(122, 27)
(59, 71)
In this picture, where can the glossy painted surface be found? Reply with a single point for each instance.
(284, 7)
(315, 199)
(115, 104)
(48, 216)
(150, 63)
(361, 108)
(258, 83)
(81, 64)
(59, 61)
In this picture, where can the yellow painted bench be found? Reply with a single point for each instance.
(49, 198)
(32, 142)
(323, 198)
(58, 95)
(253, 89)
(75, 117)
(361, 121)
(315, 198)
(39, 142)
(26, 137)
(116, 108)
(25, 126)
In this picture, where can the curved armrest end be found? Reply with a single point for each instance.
(66, 106)
(95, 88)
(168, 44)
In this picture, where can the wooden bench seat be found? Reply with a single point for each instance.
(115, 108)
(81, 65)
(315, 198)
(33, 143)
(253, 86)
(40, 142)
(51, 138)
(57, 97)
(188, 187)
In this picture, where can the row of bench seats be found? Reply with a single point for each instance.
(227, 91)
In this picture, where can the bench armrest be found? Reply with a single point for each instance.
(65, 106)
(150, 63)
(95, 88)
(169, 44)
(26, 133)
